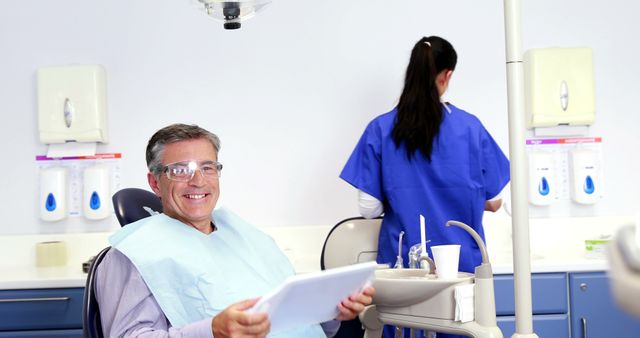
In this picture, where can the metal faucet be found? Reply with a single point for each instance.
(418, 260)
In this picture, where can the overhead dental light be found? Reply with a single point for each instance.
(232, 13)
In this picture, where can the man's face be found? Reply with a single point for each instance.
(193, 201)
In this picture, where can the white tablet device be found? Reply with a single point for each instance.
(313, 298)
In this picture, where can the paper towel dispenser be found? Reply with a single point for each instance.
(72, 104)
(559, 87)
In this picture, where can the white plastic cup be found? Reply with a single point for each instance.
(446, 258)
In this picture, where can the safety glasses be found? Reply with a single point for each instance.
(184, 171)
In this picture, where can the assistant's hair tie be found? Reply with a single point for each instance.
(427, 43)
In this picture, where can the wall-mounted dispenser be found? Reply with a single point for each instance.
(53, 194)
(96, 203)
(586, 176)
(559, 87)
(72, 104)
(542, 178)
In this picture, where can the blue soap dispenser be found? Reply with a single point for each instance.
(96, 189)
(52, 203)
(586, 176)
(542, 178)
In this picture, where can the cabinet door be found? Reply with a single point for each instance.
(41, 309)
(543, 325)
(593, 311)
(549, 294)
(43, 334)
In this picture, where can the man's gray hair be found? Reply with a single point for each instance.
(171, 134)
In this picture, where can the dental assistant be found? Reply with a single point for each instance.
(430, 158)
(193, 271)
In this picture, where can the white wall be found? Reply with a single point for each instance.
(290, 92)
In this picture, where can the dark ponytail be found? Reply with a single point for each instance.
(420, 110)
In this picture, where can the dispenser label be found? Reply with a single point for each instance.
(560, 141)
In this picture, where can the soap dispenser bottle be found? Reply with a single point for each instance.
(586, 180)
(96, 195)
(52, 202)
(542, 182)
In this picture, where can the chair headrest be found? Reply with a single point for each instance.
(353, 240)
(132, 204)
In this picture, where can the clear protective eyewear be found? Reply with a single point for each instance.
(185, 170)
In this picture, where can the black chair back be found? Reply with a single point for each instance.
(91, 325)
(132, 204)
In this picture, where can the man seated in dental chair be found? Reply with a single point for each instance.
(193, 271)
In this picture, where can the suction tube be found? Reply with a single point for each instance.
(485, 303)
(476, 237)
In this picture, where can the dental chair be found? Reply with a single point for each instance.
(624, 273)
(130, 205)
(351, 241)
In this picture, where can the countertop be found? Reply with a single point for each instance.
(31, 277)
(14, 277)
(541, 266)
(561, 252)
(18, 268)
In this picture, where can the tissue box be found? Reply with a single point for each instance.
(53, 253)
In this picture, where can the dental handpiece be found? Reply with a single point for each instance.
(399, 264)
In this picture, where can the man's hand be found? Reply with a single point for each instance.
(350, 307)
(234, 322)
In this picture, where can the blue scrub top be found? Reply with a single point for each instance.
(467, 168)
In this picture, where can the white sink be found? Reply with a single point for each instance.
(405, 287)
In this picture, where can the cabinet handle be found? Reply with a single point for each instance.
(584, 327)
(584, 286)
(43, 299)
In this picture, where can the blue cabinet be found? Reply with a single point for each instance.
(549, 290)
(43, 334)
(549, 300)
(553, 326)
(41, 313)
(575, 305)
(593, 311)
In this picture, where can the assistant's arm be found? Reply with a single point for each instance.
(495, 170)
(493, 204)
(127, 307)
(370, 207)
